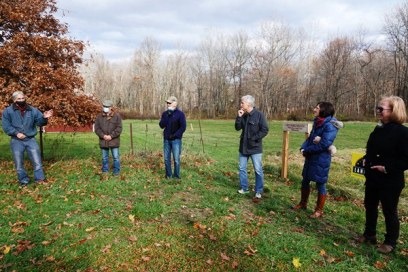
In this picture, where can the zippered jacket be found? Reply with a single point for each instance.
(106, 124)
(13, 122)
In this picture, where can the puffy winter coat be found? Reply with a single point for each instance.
(317, 156)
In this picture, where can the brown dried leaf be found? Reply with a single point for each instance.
(380, 265)
(349, 253)
(50, 259)
(45, 243)
(106, 249)
(224, 257)
(132, 238)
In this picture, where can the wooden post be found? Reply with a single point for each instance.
(297, 127)
(285, 155)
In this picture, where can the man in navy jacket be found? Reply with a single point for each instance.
(173, 121)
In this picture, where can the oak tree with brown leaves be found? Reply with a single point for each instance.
(38, 58)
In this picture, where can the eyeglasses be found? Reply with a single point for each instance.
(169, 103)
(381, 109)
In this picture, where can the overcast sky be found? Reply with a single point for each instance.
(115, 28)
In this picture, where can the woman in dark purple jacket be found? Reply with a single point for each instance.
(317, 156)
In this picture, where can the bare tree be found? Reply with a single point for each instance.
(237, 54)
(145, 77)
(396, 28)
(216, 95)
(270, 64)
(336, 71)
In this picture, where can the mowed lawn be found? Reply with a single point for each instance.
(139, 221)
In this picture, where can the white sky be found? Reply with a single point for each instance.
(116, 28)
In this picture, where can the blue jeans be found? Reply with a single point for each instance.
(243, 174)
(172, 147)
(115, 157)
(18, 147)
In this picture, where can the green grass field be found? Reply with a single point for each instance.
(139, 221)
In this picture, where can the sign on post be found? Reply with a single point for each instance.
(357, 169)
(287, 127)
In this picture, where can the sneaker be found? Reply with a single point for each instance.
(242, 192)
(258, 195)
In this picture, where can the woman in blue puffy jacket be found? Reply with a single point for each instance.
(317, 150)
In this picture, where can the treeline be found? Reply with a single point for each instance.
(283, 68)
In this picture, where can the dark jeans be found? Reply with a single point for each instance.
(172, 147)
(388, 197)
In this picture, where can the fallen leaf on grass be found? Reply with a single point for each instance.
(250, 251)
(90, 229)
(224, 257)
(45, 243)
(50, 259)
(210, 262)
(132, 218)
(18, 227)
(19, 205)
(380, 265)
(132, 238)
(6, 249)
(298, 230)
(349, 253)
(145, 258)
(197, 225)
(106, 249)
(47, 224)
(67, 224)
(230, 216)
(296, 262)
(23, 245)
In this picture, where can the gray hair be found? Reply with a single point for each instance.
(249, 99)
(15, 94)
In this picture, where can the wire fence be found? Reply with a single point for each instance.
(136, 137)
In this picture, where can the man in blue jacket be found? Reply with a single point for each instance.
(254, 128)
(173, 121)
(20, 122)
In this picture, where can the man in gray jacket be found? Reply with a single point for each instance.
(254, 128)
(108, 127)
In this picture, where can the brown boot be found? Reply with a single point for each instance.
(304, 198)
(319, 206)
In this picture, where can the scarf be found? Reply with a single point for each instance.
(319, 121)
